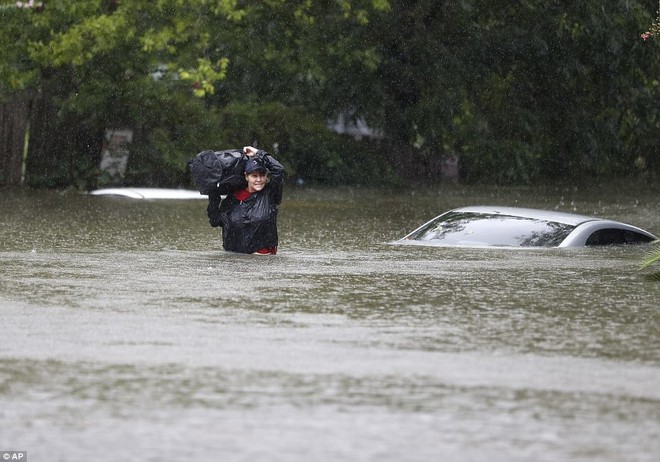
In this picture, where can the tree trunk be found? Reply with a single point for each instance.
(13, 123)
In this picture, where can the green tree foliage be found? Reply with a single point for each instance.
(522, 90)
(110, 64)
(653, 256)
(519, 91)
(156, 66)
(653, 259)
(654, 29)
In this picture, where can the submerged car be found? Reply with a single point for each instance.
(149, 193)
(487, 226)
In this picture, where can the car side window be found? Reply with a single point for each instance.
(495, 229)
(613, 236)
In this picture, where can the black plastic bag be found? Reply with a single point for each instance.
(219, 170)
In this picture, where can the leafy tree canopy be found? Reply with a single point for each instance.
(519, 91)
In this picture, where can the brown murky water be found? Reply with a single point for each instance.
(127, 334)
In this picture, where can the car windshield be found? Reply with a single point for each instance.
(466, 228)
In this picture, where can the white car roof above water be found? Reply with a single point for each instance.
(521, 227)
(149, 193)
(537, 214)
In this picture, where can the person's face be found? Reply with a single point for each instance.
(256, 180)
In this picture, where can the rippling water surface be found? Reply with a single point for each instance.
(128, 334)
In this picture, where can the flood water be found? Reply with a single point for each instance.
(128, 334)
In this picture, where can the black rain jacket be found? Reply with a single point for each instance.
(249, 225)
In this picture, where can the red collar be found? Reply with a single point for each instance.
(242, 194)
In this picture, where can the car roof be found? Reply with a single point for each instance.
(582, 225)
(536, 214)
(149, 193)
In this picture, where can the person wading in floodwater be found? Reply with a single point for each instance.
(248, 216)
